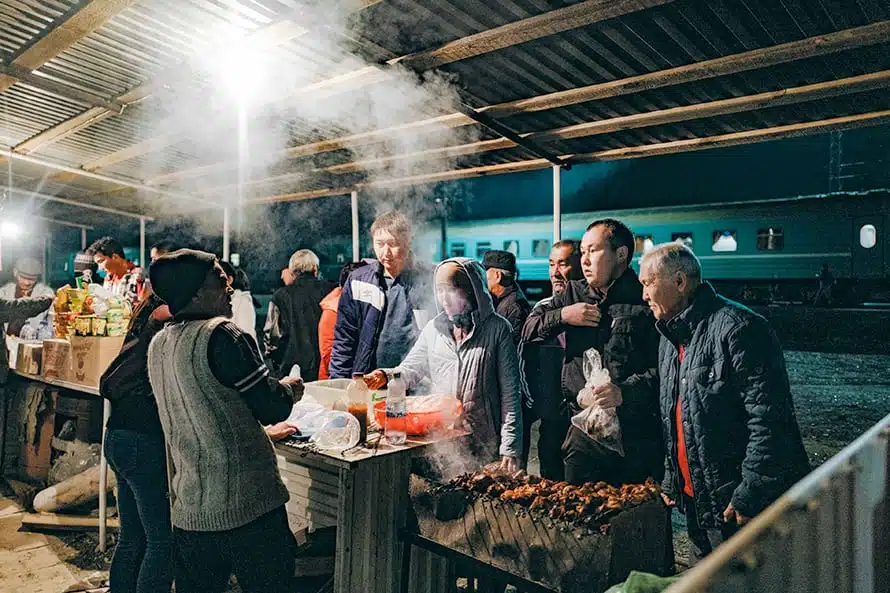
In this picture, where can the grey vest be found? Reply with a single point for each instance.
(225, 473)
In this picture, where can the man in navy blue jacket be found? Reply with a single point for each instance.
(383, 306)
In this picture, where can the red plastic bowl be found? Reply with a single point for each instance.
(420, 423)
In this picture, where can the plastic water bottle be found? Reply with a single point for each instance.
(295, 372)
(396, 411)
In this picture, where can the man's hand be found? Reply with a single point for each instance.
(296, 385)
(509, 464)
(282, 430)
(607, 396)
(376, 379)
(667, 500)
(581, 315)
(161, 313)
(731, 515)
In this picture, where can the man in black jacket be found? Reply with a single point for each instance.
(291, 329)
(542, 370)
(509, 301)
(726, 408)
(606, 312)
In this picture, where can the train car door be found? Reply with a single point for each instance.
(869, 236)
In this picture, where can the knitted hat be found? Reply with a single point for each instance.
(502, 260)
(28, 267)
(177, 276)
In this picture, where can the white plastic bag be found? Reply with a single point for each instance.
(598, 423)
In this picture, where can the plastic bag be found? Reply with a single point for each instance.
(339, 432)
(78, 458)
(600, 424)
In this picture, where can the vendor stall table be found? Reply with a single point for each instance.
(364, 492)
(103, 463)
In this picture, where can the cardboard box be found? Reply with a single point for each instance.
(56, 359)
(29, 358)
(90, 357)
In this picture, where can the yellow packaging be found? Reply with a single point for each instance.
(99, 326)
(116, 328)
(83, 325)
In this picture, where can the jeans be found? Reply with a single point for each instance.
(143, 560)
(261, 554)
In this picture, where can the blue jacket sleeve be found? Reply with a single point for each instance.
(346, 335)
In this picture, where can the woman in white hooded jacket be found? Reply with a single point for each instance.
(468, 350)
(243, 309)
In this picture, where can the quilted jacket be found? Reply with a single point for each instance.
(742, 440)
(483, 371)
(627, 340)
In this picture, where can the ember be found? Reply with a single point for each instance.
(588, 504)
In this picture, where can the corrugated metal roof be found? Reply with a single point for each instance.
(189, 125)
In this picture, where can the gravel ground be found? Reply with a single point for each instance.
(837, 397)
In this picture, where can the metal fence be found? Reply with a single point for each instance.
(829, 534)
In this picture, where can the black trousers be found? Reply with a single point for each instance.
(588, 461)
(551, 435)
(704, 540)
(260, 554)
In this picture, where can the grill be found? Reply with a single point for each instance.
(535, 552)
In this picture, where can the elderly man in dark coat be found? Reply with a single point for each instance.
(732, 436)
(509, 300)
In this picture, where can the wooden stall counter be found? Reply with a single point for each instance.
(364, 492)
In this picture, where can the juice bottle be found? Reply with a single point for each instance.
(357, 403)
(396, 411)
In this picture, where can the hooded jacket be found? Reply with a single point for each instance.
(483, 371)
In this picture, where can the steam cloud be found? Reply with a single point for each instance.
(205, 115)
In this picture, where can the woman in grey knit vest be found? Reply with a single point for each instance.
(213, 391)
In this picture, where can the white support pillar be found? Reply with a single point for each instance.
(83, 239)
(356, 255)
(143, 261)
(227, 228)
(557, 209)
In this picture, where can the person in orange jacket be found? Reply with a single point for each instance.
(329, 318)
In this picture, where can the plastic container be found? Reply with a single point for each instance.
(424, 414)
(395, 405)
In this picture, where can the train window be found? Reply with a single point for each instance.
(512, 247)
(458, 250)
(868, 236)
(540, 248)
(643, 243)
(683, 238)
(770, 239)
(482, 249)
(724, 241)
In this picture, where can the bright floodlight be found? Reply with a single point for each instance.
(241, 68)
(9, 229)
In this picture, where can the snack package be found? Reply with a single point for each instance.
(598, 423)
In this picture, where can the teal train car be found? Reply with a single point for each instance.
(784, 242)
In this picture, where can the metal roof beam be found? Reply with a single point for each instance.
(862, 120)
(784, 97)
(760, 58)
(550, 23)
(75, 225)
(86, 206)
(79, 22)
(108, 179)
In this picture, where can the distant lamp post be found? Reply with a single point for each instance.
(442, 207)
